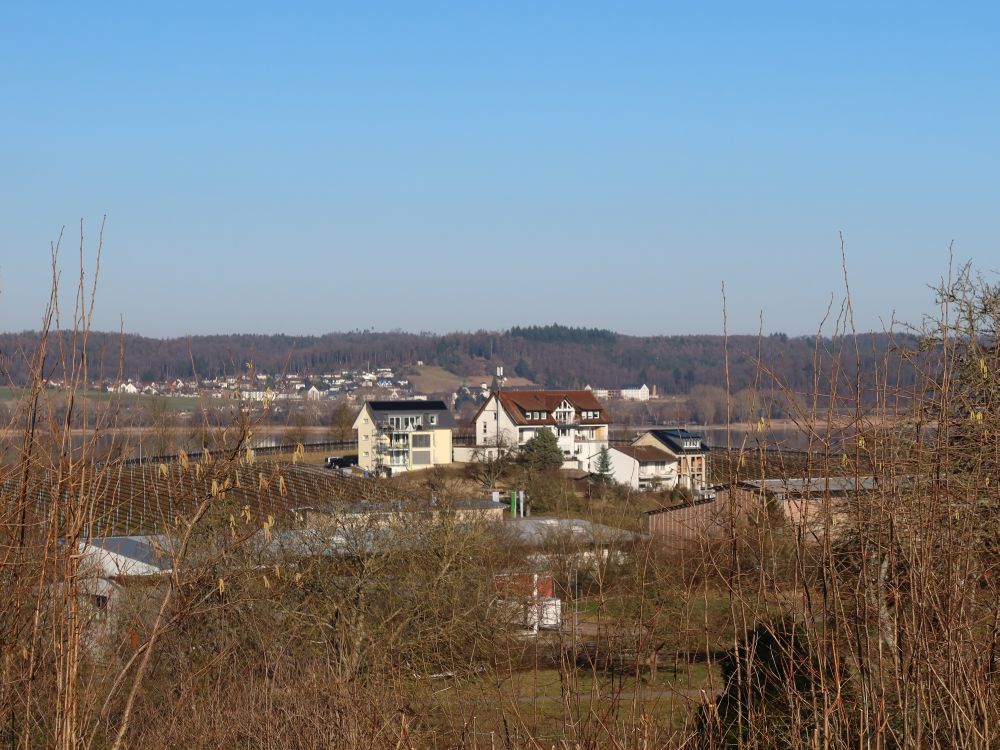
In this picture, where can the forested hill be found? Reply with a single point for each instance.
(554, 355)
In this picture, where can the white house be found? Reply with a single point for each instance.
(643, 467)
(578, 420)
(689, 450)
(128, 387)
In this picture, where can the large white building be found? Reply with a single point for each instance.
(578, 420)
(638, 392)
(403, 435)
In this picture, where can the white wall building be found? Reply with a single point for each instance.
(643, 467)
(635, 392)
(578, 420)
(689, 450)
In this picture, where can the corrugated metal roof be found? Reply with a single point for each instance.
(812, 485)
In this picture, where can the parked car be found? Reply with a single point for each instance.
(341, 462)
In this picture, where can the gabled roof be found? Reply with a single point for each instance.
(680, 440)
(139, 555)
(517, 403)
(643, 452)
(149, 549)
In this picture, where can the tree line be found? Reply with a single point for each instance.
(553, 356)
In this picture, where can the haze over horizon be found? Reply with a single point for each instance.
(463, 167)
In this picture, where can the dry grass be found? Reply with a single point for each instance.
(879, 629)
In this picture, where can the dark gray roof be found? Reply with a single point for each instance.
(413, 406)
(812, 486)
(677, 440)
(150, 549)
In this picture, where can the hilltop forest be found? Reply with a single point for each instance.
(551, 355)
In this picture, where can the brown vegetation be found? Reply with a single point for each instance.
(882, 631)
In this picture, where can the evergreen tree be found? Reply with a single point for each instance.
(543, 451)
(603, 470)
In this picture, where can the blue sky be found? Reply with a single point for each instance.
(455, 166)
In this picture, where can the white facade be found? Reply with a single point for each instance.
(635, 393)
(578, 434)
(642, 470)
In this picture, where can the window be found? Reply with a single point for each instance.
(365, 454)
(433, 419)
(484, 428)
(422, 441)
(421, 458)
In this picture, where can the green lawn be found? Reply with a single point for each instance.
(167, 403)
(553, 707)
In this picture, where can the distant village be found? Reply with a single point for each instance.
(384, 484)
(361, 384)
(400, 430)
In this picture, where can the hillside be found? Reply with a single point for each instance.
(554, 355)
(435, 379)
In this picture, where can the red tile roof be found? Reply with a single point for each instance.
(517, 403)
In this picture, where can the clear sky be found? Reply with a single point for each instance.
(298, 168)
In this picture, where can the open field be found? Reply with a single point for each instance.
(127, 400)
(433, 379)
